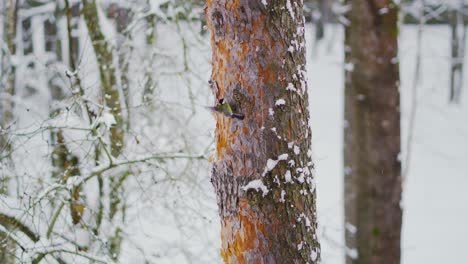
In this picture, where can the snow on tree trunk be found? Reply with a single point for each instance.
(7, 76)
(107, 70)
(9, 15)
(372, 134)
(263, 171)
(112, 97)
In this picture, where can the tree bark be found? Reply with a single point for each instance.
(111, 95)
(372, 134)
(263, 171)
(9, 11)
(7, 76)
(103, 50)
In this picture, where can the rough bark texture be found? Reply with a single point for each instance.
(259, 69)
(372, 134)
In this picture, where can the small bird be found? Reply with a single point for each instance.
(224, 108)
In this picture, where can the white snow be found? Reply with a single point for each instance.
(313, 255)
(300, 245)
(351, 228)
(108, 119)
(349, 67)
(297, 150)
(301, 178)
(257, 185)
(291, 87)
(352, 253)
(290, 9)
(287, 176)
(280, 102)
(271, 163)
(283, 194)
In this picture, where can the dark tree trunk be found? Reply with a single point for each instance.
(372, 134)
(458, 41)
(263, 171)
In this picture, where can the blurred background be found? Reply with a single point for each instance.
(105, 142)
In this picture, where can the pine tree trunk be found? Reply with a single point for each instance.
(372, 134)
(263, 171)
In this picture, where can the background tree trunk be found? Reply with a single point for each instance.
(372, 134)
(262, 174)
(104, 52)
(458, 41)
(107, 70)
(9, 11)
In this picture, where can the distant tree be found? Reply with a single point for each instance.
(372, 134)
(458, 42)
(110, 95)
(9, 12)
(263, 169)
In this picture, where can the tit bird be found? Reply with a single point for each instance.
(224, 108)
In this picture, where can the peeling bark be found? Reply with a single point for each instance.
(259, 69)
(372, 134)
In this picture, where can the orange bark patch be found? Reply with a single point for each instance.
(222, 128)
(240, 235)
